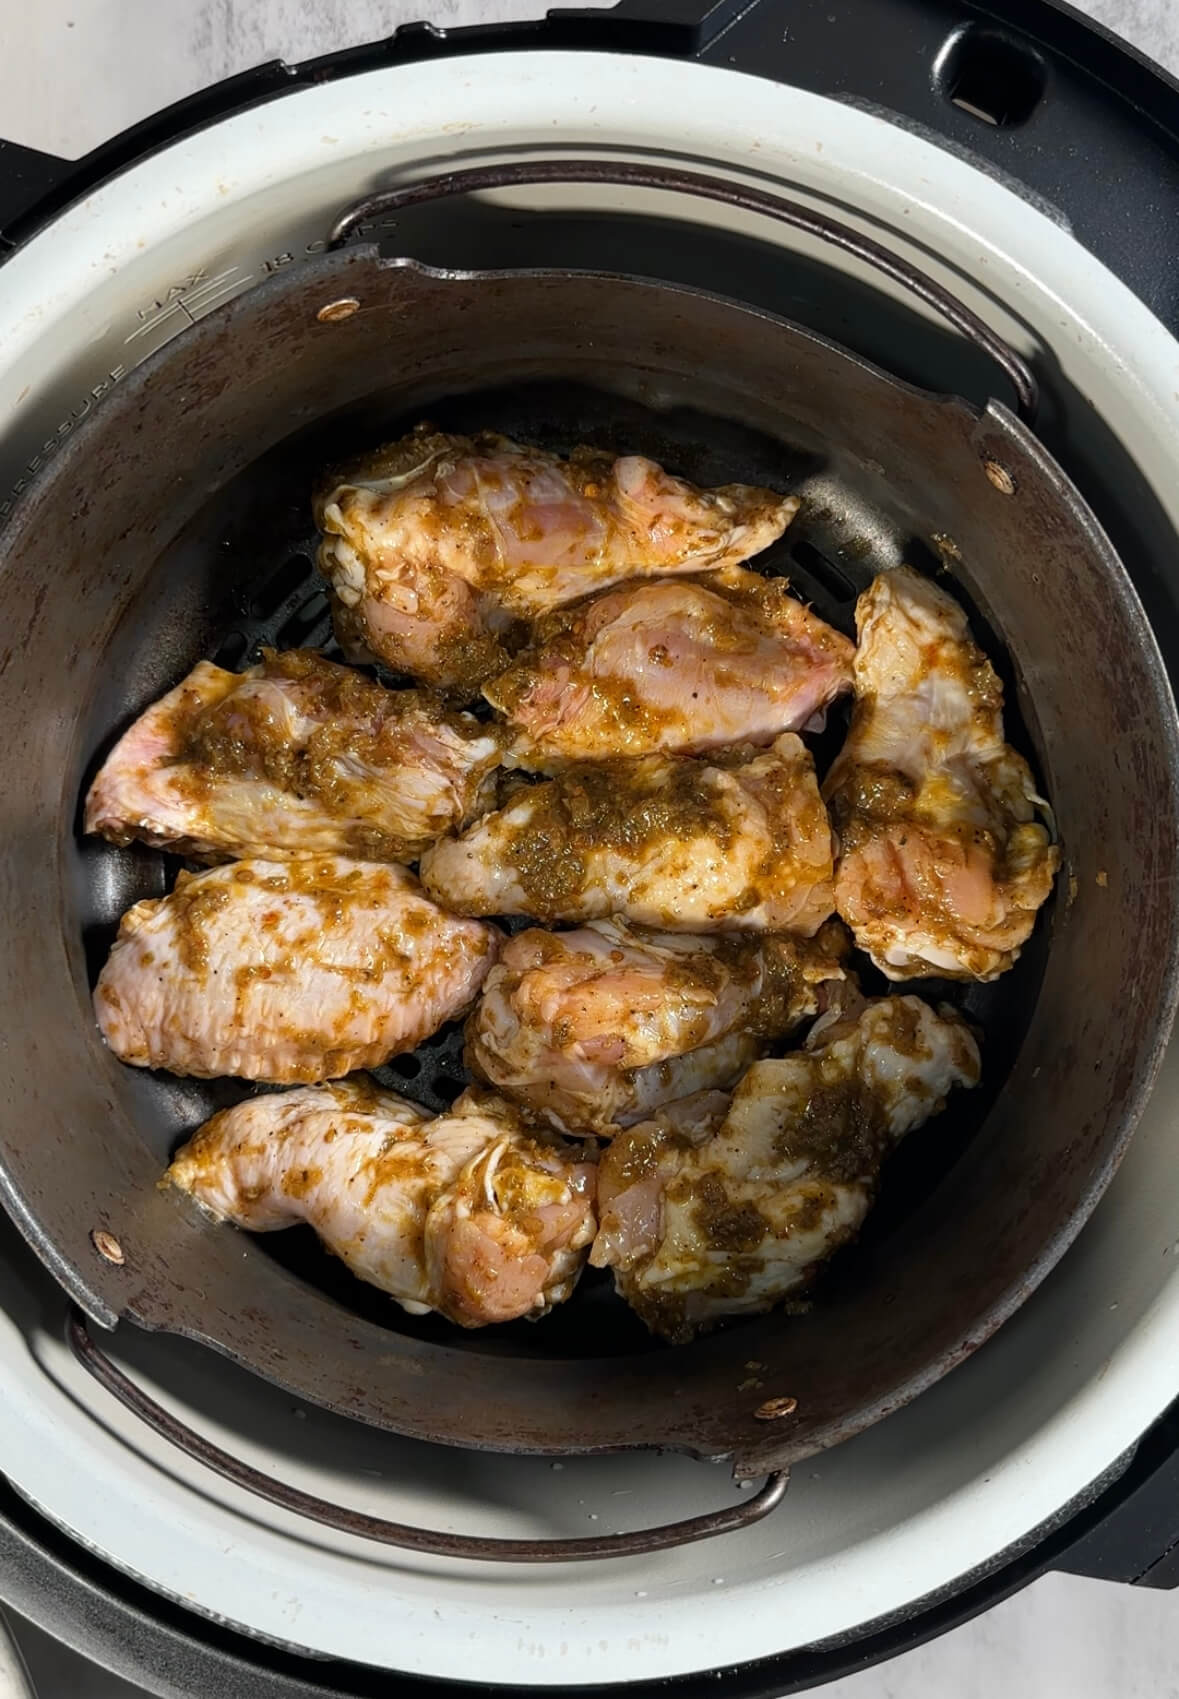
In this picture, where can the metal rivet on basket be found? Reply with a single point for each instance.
(108, 1246)
(335, 311)
(773, 1408)
(1000, 477)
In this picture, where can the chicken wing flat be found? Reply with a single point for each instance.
(943, 863)
(435, 544)
(597, 1028)
(286, 971)
(713, 1212)
(297, 757)
(467, 1214)
(681, 665)
(677, 844)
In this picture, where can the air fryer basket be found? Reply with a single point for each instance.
(174, 525)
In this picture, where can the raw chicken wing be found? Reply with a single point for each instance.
(468, 1214)
(435, 544)
(298, 756)
(708, 1213)
(686, 664)
(286, 971)
(599, 1027)
(943, 863)
(674, 843)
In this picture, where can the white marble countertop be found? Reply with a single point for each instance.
(74, 72)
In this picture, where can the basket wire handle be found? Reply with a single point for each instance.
(617, 174)
(437, 1542)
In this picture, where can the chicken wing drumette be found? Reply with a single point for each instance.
(680, 844)
(298, 756)
(721, 1209)
(469, 1214)
(682, 665)
(287, 971)
(436, 544)
(597, 1028)
(943, 862)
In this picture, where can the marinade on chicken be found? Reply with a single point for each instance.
(724, 1207)
(679, 665)
(943, 862)
(469, 1214)
(434, 545)
(596, 1028)
(297, 756)
(681, 844)
(287, 971)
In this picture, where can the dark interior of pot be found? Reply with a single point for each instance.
(177, 526)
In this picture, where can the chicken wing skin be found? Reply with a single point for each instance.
(286, 971)
(597, 1028)
(943, 862)
(298, 756)
(434, 544)
(710, 1211)
(467, 1214)
(683, 845)
(682, 665)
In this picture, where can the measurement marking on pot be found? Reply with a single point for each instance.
(173, 294)
(51, 445)
(190, 299)
(277, 261)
